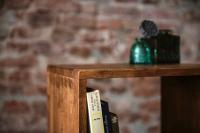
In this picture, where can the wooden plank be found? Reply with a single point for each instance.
(82, 106)
(67, 94)
(180, 104)
(63, 104)
(125, 70)
(50, 101)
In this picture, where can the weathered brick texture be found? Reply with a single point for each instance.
(34, 33)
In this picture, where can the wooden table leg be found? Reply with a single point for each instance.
(180, 104)
(66, 104)
(82, 106)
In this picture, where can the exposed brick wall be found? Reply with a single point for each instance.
(34, 33)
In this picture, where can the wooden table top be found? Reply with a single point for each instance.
(124, 70)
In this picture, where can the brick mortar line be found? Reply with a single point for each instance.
(28, 99)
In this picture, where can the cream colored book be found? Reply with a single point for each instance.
(95, 112)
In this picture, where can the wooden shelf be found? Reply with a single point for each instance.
(180, 94)
(125, 70)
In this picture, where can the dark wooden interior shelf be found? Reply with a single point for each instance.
(180, 94)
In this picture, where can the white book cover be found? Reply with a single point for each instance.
(95, 112)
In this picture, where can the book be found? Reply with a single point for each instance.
(114, 123)
(106, 117)
(95, 112)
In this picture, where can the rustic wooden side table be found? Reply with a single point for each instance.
(180, 94)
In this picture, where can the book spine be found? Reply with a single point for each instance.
(106, 117)
(95, 112)
(114, 123)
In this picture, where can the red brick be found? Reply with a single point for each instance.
(89, 8)
(145, 117)
(160, 13)
(20, 32)
(16, 45)
(152, 81)
(35, 89)
(191, 15)
(25, 89)
(80, 51)
(3, 88)
(110, 23)
(41, 76)
(17, 123)
(42, 47)
(151, 106)
(24, 61)
(2, 75)
(62, 34)
(125, 130)
(124, 114)
(82, 21)
(178, 3)
(127, 0)
(30, 90)
(135, 117)
(169, 25)
(36, 47)
(19, 76)
(40, 108)
(141, 115)
(100, 84)
(118, 9)
(117, 86)
(1, 46)
(17, 4)
(63, 19)
(41, 18)
(15, 88)
(77, 21)
(16, 107)
(106, 50)
(91, 37)
(151, 1)
(42, 89)
(146, 87)
(67, 6)
(98, 37)
(146, 92)
(130, 25)
(26, 131)
(118, 90)
(154, 129)
(7, 20)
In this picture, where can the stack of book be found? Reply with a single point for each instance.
(100, 119)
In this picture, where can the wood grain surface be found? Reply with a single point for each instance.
(125, 70)
(180, 104)
(180, 85)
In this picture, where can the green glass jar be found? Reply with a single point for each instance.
(140, 52)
